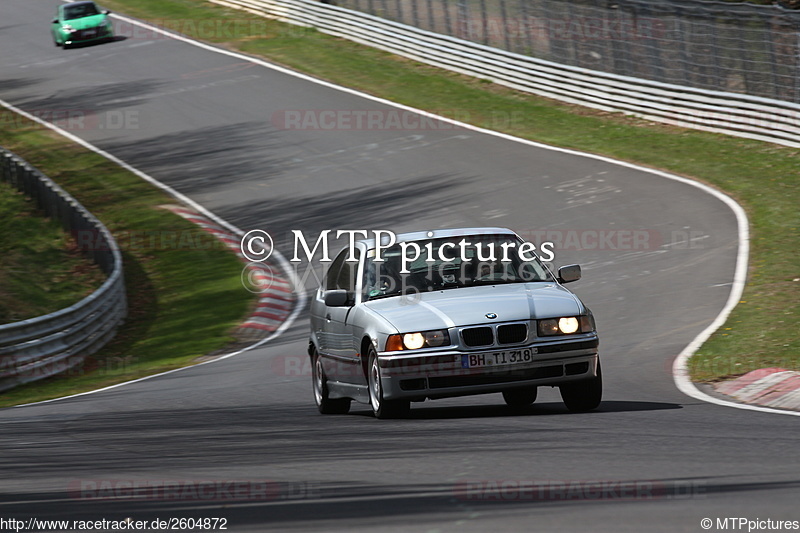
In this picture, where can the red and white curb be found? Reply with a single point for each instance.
(771, 387)
(276, 298)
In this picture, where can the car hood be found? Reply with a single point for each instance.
(86, 22)
(467, 306)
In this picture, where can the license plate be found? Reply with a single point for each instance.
(89, 33)
(492, 359)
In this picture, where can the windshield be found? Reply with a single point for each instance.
(479, 260)
(80, 11)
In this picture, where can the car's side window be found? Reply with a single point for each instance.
(342, 273)
(332, 277)
(369, 280)
(347, 274)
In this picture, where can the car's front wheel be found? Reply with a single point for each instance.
(520, 397)
(325, 405)
(380, 407)
(585, 395)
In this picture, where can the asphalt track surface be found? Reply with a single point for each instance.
(204, 124)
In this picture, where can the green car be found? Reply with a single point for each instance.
(81, 22)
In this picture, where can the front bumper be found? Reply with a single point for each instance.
(441, 374)
(88, 35)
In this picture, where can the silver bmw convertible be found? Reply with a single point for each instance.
(449, 313)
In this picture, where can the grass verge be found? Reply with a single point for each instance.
(762, 177)
(172, 269)
(62, 275)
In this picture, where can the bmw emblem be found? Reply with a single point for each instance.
(491, 316)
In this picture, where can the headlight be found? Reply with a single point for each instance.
(69, 29)
(566, 325)
(413, 341)
(417, 340)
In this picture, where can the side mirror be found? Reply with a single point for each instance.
(336, 298)
(55, 21)
(569, 273)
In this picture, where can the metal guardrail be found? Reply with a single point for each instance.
(51, 344)
(722, 112)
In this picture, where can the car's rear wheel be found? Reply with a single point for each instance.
(380, 407)
(325, 405)
(585, 395)
(520, 397)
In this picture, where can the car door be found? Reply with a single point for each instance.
(337, 340)
(320, 313)
(55, 26)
